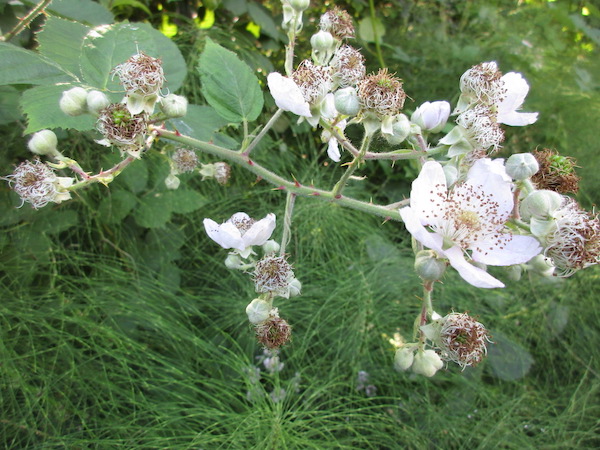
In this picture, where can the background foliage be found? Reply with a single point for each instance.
(120, 326)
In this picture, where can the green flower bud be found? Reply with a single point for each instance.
(521, 166)
(295, 287)
(43, 143)
(172, 182)
(404, 358)
(300, 5)
(322, 41)
(346, 101)
(400, 130)
(427, 363)
(174, 105)
(258, 311)
(428, 266)
(96, 101)
(74, 101)
(270, 246)
(540, 204)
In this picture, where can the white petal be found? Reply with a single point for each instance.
(260, 231)
(517, 119)
(226, 235)
(483, 166)
(473, 275)
(419, 232)
(516, 91)
(333, 150)
(507, 250)
(428, 193)
(288, 95)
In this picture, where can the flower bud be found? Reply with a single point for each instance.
(174, 105)
(404, 358)
(258, 311)
(271, 246)
(346, 101)
(540, 204)
(43, 143)
(541, 265)
(74, 101)
(300, 5)
(432, 117)
(428, 266)
(172, 182)
(521, 166)
(400, 130)
(96, 101)
(515, 272)
(427, 363)
(295, 287)
(322, 41)
(234, 261)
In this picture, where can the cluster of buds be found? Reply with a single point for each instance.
(457, 337)
(184, 160)
(334, 87)
(488, 99)
(272, 275)
(569, 234)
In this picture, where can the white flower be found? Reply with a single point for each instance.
(288, 95)
(469, 217)
(516, 90)
(241, 232)
(432, 116)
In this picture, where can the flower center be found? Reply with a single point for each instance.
(469, 220)
(243, 224)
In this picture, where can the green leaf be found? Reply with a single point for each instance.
(55, 221)
(9, 104)
(40, 105)
(116, 206)
(509, 361)
(200, 122)
(369, 29)
(61, 40)
(85, 11)
(105, 47)
(229, 85)
(185, 201)
(135, 176)
(153, 212)
(20, 66)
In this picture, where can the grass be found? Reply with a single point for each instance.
(97, 352)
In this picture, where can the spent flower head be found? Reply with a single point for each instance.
(556, 172)
(184, 160)
(460, 338)
(381, 93)
(36, 183)
(314, 81)
(482, 129)
(348, 66)
(273, 332)
(141, 74)
(337, 22)
(273, 274)
(123, 129)
(575, 242)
